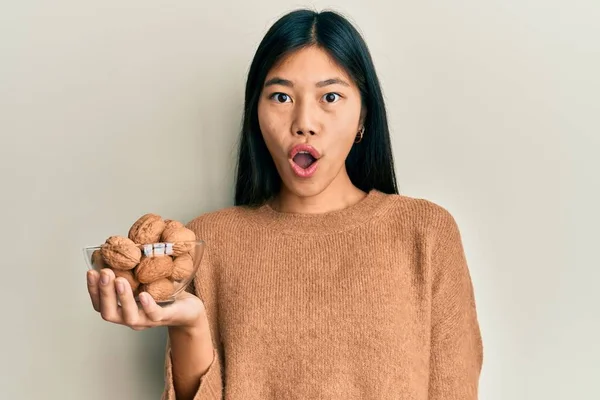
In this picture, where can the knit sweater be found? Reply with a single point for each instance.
(374, 301)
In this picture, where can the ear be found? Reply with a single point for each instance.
(363, 116)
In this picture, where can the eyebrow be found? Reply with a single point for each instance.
(333, 81)
(288, 83)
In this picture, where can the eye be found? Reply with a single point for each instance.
(331, 97)
(280, 97)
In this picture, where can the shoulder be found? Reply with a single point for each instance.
(434, 226)
(212, 223)
(425, 220)
(431, 216)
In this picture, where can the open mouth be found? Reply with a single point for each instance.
(304, 159)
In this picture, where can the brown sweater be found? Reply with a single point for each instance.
(374, 301)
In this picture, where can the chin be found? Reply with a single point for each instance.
(307, 188)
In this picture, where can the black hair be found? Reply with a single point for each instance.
(370, 163)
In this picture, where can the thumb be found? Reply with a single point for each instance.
(153, 311)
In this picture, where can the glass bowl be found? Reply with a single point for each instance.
(152, 250)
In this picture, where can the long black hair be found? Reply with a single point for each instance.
(370, 163)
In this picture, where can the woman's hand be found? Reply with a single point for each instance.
(186, 312)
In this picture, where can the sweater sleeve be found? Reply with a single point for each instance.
(456, 345)
(205, 287)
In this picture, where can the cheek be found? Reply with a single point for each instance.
(341, 147)
(344, 129)
(271, 125)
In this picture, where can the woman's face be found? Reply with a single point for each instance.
(307, 99)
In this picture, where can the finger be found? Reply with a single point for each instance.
(109, 308)
(153, 311)
(129, 308)
(92, 285)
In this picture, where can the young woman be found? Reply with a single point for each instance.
(322, 281)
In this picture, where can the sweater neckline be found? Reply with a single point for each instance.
(373, 204)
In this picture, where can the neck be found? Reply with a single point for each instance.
(340, 193)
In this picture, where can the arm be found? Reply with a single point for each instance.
(191, 357)
(188, 376)
(192, 362)
(456, 345)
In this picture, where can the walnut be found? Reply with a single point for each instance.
(134, 283)
(183, 267)
(147, 229)
(182, 239)
(160, 290)
(152, 269)
(121, 253)
(172, 224)
(98, 261)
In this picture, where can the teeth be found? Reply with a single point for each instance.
(306, 152)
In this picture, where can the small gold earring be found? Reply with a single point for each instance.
(359, 136)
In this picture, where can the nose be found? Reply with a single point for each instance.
(304, 122)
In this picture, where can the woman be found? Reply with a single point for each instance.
(322, 281)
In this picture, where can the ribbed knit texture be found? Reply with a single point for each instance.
(374, 301)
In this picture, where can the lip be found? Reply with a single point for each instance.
(304, 147)
(304, 173)
(299, 171)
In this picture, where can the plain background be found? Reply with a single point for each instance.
(111, 109)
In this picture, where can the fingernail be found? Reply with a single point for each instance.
(143, 299)
(91, 278)
(104, 279)
(120, 287)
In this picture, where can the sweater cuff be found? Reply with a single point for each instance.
(211, 384)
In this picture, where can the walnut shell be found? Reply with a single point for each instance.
(98, 261)
(160, 290)
(121, 253)
(183, 267)
(182, 239)
(134, 283)
(171, 226)
(147, 229)
(152, 269)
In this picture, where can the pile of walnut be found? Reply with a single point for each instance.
(156, 254)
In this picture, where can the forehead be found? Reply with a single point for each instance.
(308, 65)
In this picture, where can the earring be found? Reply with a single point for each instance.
(359, 136)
